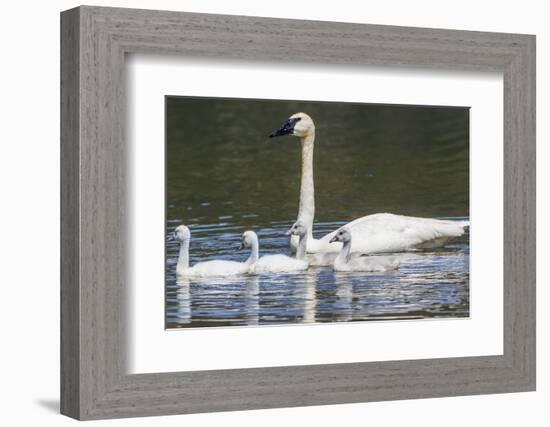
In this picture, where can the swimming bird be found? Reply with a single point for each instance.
(346, 261)
(381, 232)
(207, 268)
(278, 263)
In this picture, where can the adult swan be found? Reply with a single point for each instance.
(381, 232)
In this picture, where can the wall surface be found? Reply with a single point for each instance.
(29, 177)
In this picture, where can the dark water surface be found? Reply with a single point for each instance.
(225, 176)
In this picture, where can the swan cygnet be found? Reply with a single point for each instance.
(346, 261)
(207, 268)
(380, 232)
(279, 263)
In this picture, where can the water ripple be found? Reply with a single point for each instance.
(432, 283)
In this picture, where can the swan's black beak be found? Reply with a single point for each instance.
(240, 247)
(334, 239)
(287, 128)
(171, 237)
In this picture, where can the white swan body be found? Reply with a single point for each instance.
(321, 259)
(367, 264)
(207, 268)
(382, 232)
(216, 267)
(278, 263)
(346, 261)
(385, 232)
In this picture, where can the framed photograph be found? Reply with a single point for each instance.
(262, 213)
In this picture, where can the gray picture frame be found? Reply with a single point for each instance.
(94, 381)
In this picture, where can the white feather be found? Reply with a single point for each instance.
(215, 268)
(278, 264)
(385, 232)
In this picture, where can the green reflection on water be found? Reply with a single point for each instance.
(368, 158)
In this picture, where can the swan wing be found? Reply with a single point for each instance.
(392, 233)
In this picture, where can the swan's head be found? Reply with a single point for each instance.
(343, 235)
(297, 229)
(182, 233)
(299, 124)
(249, 238)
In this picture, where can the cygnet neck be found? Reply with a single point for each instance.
(301, 249)
(183, 257)
(254, 250)
(345, 252)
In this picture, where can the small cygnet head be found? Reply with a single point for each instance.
(181, 233)
(248, 240)
(299, 124)
(297, 229)
(343, 235)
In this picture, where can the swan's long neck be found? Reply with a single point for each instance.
(254, 252)
(345, 252)
(301, 250)
(306, 211)
(183, 257)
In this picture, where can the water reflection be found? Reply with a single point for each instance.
(309, 296)
(181, 301)
(344, 296)
(429, 283)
